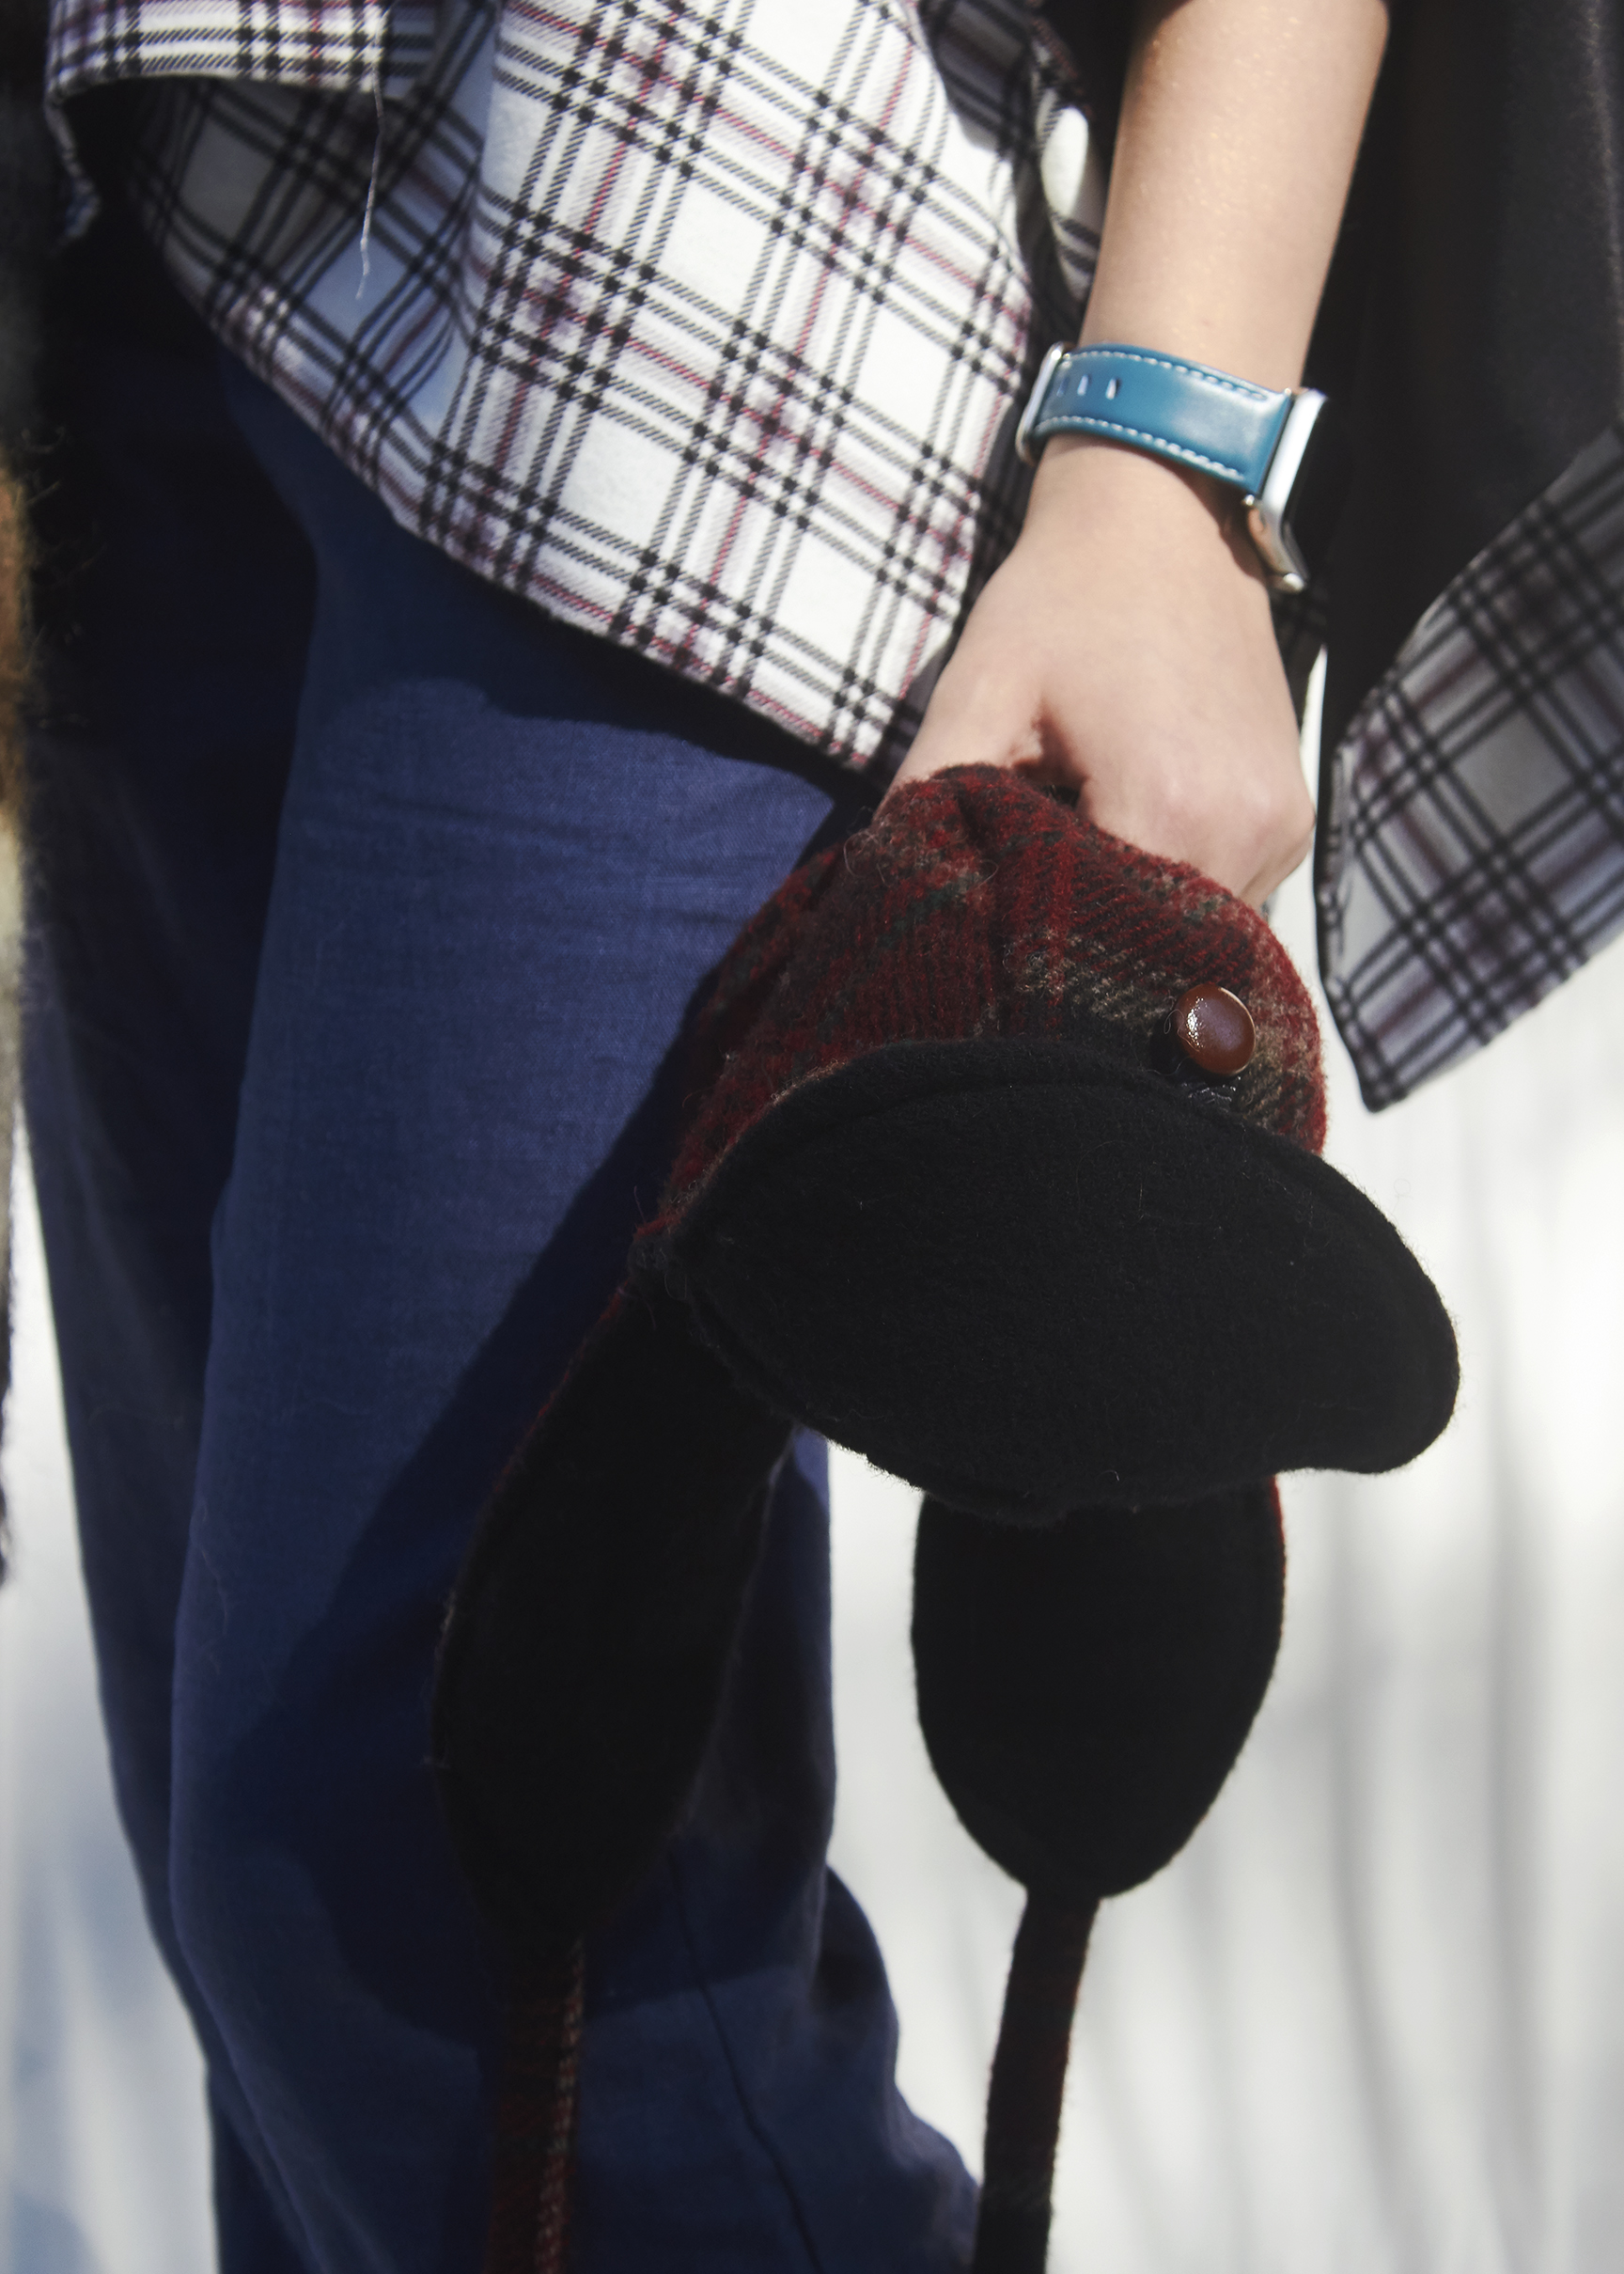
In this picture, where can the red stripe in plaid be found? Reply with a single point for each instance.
(976, 904)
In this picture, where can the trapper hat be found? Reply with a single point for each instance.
(954, 1194)
(999, 1165)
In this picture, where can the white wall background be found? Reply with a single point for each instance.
(1372, 2022)
(103, 2166)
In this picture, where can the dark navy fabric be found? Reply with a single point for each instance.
(367, 906)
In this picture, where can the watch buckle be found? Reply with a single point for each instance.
(1034, 410)
(1265, 524)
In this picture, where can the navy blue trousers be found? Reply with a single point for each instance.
(367, 909)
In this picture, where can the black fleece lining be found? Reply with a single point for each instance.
(593, 1624)
(1028, 1281)
(1084, 1690)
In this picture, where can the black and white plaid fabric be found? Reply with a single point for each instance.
(702, 324)
(706, 326)
(1471, 854)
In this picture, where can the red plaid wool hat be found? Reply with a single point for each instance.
(952, 1194)
(1000, 1163)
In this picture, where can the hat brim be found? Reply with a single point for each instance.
(1027, 1279)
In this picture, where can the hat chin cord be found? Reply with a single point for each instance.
(1028, 2083)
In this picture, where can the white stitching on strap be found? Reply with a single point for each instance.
(1191, 371)
(1080, 422)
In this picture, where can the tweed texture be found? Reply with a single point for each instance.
(537, 2106)
(977, 905)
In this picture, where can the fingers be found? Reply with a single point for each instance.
(1233, 805)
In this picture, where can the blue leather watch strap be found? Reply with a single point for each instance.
(1181, 411)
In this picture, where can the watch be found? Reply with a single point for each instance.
(1282, 452)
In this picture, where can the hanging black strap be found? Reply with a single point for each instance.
(1028, 2081)
(537, 2102)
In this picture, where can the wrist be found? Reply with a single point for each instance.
(1274, 452)
(1157, 518)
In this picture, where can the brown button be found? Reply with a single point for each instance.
(1214, 1027)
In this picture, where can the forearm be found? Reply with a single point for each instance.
(1125, 647)
(1241, 122)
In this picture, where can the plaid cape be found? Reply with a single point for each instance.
(702, 326)
(706, 327)
(1470, 850)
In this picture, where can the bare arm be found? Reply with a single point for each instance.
(1125, 645)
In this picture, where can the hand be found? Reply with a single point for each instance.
(1125, 647)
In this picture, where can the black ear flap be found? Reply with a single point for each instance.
(578, 1679)
(1084, 1691)
(591, 1629)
